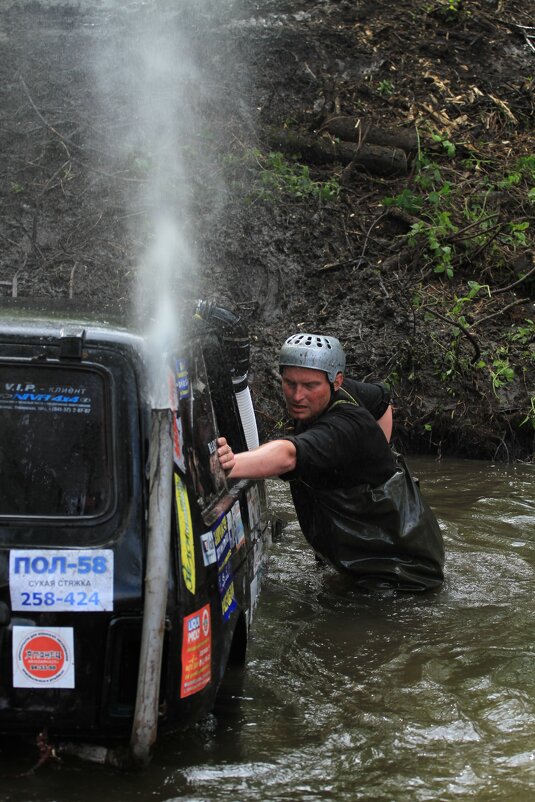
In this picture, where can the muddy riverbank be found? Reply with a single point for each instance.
(425, 274)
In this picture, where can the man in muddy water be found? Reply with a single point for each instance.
(355, 499)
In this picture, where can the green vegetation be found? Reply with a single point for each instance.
(280, 176)
(524, 334)
(467, 217)
(385, 88)
(450, 11)
(455, 222)
(524, 168)
(435, 237)
(271, 176)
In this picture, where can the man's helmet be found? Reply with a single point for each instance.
(313, 351)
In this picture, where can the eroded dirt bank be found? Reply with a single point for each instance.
(425, 272)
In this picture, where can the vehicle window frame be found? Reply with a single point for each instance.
(109, 401)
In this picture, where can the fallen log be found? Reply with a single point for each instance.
(375, 159)
(361, 130)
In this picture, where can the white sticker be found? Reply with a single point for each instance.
(230, 528)
(78, 580)
(253, 504)
(237, 527)
(43, 658)
(255, 591)
(208, 548)
(173, 395)
(258, 556)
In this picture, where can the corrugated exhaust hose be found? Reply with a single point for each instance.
(236, 343)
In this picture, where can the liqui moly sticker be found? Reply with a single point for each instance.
(196, 652)
(60, 580)
(43, 658)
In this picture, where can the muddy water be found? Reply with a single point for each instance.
(350, 697)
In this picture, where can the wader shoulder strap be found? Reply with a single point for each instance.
(349, 400)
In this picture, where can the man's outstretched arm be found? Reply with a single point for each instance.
(271, 459)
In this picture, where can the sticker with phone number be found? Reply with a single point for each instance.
(79, 580)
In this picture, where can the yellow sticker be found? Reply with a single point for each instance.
(185, 530)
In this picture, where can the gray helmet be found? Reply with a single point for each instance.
(313, 351)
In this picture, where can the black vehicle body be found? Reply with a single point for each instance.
(75, 419)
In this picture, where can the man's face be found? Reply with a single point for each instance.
(307, 392)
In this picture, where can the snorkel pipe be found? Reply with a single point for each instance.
(145, 723)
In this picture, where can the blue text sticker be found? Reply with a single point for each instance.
(61, 580)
